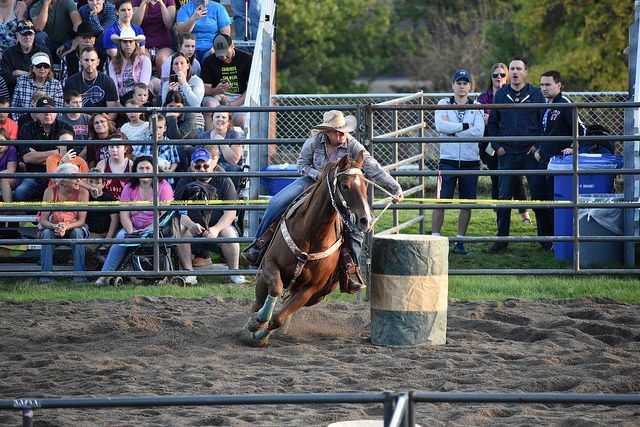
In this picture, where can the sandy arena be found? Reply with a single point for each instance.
(148, 346)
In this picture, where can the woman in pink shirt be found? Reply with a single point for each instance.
(138, 189)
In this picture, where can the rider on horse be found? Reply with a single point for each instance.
(329, 142)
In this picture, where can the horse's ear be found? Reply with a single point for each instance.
(343, 162)
(360, 159)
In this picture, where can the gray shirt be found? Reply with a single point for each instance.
(313, 158)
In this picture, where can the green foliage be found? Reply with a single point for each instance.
(582, 40)
(323, 46)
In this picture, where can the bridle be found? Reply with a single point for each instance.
(333, 189)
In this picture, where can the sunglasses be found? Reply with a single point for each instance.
(495, 75)
(47, 66)
(203, 166)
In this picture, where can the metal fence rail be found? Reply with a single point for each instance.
(399, 407)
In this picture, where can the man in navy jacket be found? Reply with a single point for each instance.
(515, 155)
(555, 122)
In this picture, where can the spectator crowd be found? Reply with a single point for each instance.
(127, 53)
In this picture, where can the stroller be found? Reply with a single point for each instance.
(139, 256)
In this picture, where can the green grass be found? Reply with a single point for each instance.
(498, 287)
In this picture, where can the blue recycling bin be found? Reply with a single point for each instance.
(275, 184)
(587, 184)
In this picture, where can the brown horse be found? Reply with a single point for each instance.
(304, 252)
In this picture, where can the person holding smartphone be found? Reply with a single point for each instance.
(205, 19)
(182, 80)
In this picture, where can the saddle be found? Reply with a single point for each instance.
(346, 266)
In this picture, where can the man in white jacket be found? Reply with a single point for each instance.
(458, 155)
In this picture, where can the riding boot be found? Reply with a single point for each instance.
(253, 253)
(350, 281)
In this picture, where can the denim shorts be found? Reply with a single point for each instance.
(467, 185)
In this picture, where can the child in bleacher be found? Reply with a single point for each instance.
(102, 224)
(117, 162)
(136, 128)
(8, 164)
(141, 94)
(5, 120)
(167, 152)
(79, 121)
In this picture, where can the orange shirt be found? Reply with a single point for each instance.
(54, 160)
(11, 127)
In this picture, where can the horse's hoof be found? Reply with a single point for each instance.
(254, 339)
(255, 325)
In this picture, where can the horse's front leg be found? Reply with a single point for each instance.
(255, 331)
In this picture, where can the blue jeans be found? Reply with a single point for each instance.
(116, 254)
(30, 190)
(283, 199)
(254, 7)
(46, 251)
(507, 188)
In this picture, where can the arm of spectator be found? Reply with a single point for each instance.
(231, 153)
(11, 167)
(226, 30)
(443, 125)
(139, 12)
(476, 128)
(113, 104)
(38, 157)
(194, 228)
(44, 215)
(40, 14)
(221, 88)
(145, 72)
(125, 220)
(238, 102)
(186, 26)
(225, 220)
(193, 95)
(168, 14)
(113, 227)
(21, 10)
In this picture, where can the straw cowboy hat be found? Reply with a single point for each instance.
(335, 120)
(127, 33)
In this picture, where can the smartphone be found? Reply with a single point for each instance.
(173, 78)
(225, 80)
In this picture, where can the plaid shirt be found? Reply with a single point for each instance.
(168, 152)
(25, 88)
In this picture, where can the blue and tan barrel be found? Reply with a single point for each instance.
(409, 289)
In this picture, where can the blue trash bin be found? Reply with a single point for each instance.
(275, 184)
(587, 184)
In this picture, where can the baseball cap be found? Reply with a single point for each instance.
(201, 154)
(221, 44)
(45, 101)
(462, 74)
(40, 58)
(24, 27)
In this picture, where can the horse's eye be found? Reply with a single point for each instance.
(344, 186)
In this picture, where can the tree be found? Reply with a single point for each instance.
(323, 46)
(583, 40)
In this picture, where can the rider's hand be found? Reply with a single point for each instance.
(399, 196)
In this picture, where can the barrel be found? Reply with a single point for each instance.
(409, 289)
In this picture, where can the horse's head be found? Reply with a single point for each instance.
(350, 192)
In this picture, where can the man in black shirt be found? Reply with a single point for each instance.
(84, 38)
(45, 127)
(208, 224)
(96, 88)
(225, 73)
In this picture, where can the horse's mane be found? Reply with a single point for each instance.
(322, 177)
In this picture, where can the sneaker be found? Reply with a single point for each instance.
(201, 262)
(101, 281)
(190, 280)
(497, 247)
(238, 280)
(460, 249)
